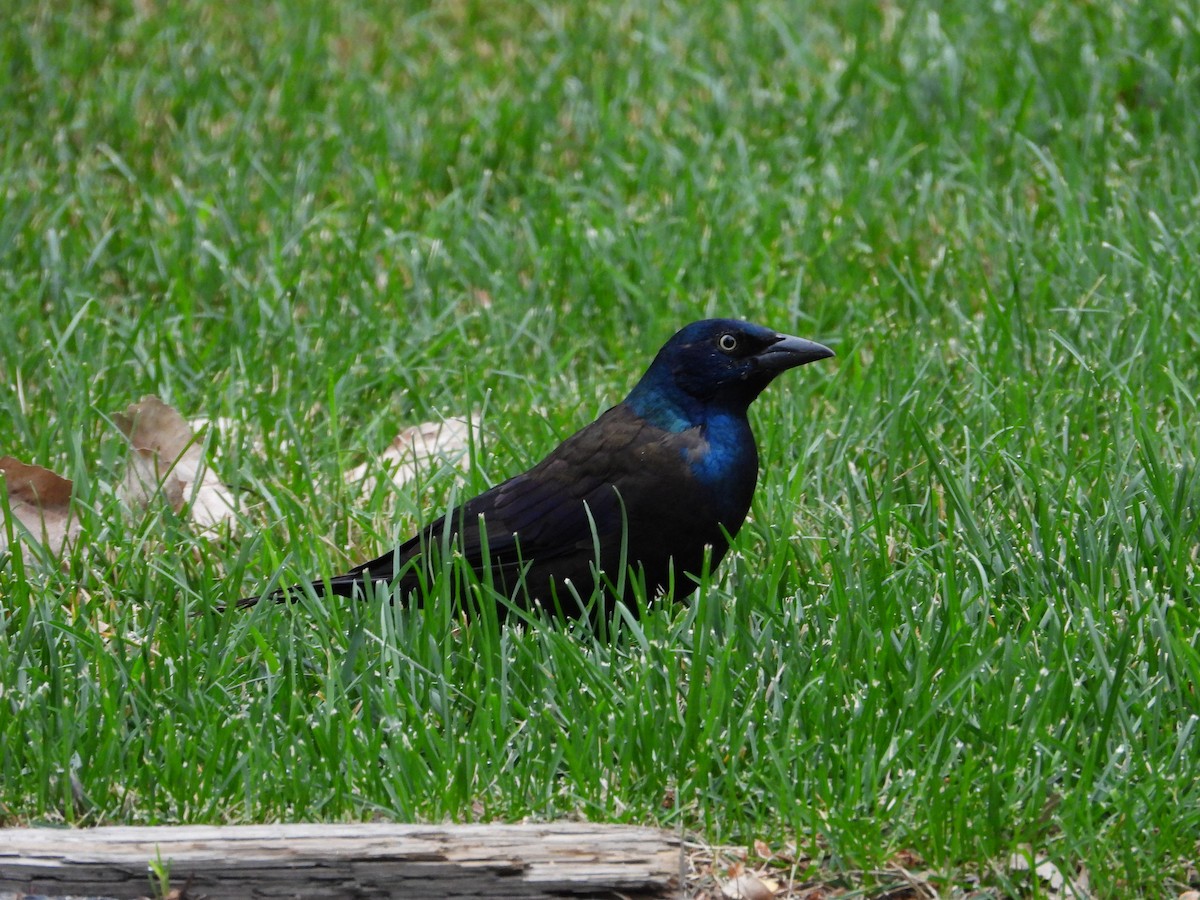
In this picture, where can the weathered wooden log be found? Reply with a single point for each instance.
(558, 859)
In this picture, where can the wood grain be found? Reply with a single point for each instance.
(563, 859)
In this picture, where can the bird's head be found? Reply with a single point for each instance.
(717, 362)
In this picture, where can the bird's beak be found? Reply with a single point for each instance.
(788, 352)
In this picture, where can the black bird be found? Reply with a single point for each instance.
(653, 484)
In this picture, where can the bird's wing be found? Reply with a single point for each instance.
(578, 496)
(540, 518)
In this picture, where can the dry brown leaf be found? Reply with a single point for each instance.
(748, 886)
(413, 449)
(1054, 881)
(167, 459)
(41, 501)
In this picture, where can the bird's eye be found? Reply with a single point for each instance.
(727, 342)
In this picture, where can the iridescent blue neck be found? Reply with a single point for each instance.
(726, 450)
(664, 409)
(729, 452)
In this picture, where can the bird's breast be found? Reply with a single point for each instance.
(725, 450)
(724, 460)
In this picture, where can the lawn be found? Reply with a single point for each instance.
(962, 625)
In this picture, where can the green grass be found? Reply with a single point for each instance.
(964, 617)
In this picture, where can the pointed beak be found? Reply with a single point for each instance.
(788, 352)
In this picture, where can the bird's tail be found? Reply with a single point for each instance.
(404, 571)
(361, 582)
(339, 586)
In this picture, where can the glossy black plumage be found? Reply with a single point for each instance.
(657, 480)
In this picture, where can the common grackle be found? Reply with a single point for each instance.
(653, 484)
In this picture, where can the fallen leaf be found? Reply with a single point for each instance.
(1054, 882)
(747, 886)
(168, 460)
(414, 448)
(40, 500)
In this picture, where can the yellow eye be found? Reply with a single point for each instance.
(727, 342)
